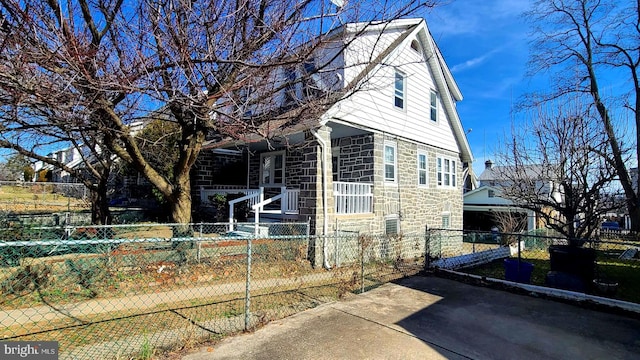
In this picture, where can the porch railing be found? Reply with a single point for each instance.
(289, 201)
(205, 194)
(353, 197)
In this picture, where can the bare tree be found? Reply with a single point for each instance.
(209, 66)
(509, 222)
(591, 45)
(557, 166)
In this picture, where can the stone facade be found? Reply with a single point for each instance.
(355, 158)
(220, 169)
(413, 207)
(403, 206)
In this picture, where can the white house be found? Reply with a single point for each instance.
(389, 158)
(482, 203)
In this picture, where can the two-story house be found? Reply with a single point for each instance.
(388, 158)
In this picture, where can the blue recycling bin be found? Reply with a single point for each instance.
(511, 272)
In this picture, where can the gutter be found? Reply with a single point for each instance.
(325, 200)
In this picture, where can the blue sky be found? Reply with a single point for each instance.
(485, 44)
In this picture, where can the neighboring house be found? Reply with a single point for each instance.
(390, 158)
(482, 203)
(70, 157)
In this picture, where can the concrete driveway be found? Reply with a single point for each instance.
(435, 318)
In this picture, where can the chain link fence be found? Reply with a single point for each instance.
(17, 196)
(127, 291)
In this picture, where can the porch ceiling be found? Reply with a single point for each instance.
(338, 130)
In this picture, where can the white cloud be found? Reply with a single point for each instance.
(468, 64)
(476, 61)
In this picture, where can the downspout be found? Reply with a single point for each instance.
(248, 166)
(325, 200)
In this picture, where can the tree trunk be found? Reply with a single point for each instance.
(100, 213)
(181, 200)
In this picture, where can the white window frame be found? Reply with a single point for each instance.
(272, 170)
(425, 170)
(394, 146)
(399, 94)
(445, 220)
(446, 172)
(433, 106)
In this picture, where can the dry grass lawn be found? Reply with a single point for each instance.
(36, 198)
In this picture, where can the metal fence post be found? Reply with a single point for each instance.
(247, 299)
(427, 248)
(199, 248)
(362, 246)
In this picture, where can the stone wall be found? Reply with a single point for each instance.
(355, 158)
(415, 207)
(361, 160)
(219, 169)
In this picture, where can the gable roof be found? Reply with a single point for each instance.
(416, 28)
(443, 78)
(495, 173)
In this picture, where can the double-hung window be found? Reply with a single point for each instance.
(399, 90)
(446, 220)
(434, 106)
(422, 168)
(446, 172)
(390, 162)
(272, 168)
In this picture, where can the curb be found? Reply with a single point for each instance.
(578, 298)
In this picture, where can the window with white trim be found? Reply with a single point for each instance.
(446, 220)
(390, 162)
(272, 168)
(422, 168)
(446, 172)
(434, 106)
(399, 89)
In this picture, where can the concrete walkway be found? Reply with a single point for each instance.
(435, 318)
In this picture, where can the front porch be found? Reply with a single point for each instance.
(271, 203)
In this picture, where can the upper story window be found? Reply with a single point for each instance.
(390, 162)
(290, 93)
(272, 168)
(243, 104)
(446, 172)
(400, 94)
(434, 106)
(312, 82)
(422, 168)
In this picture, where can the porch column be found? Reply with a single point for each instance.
(312, 197)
